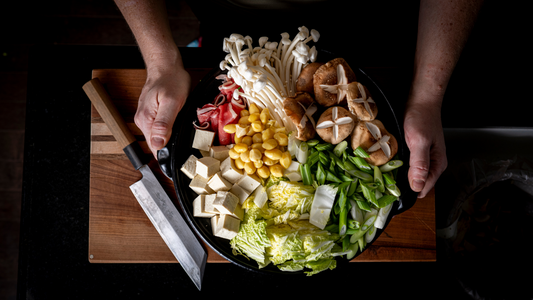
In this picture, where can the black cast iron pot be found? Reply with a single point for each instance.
(173, 156)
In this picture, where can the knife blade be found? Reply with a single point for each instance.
(148, 191)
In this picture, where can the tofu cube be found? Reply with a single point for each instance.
(227, 227)
(218, 183)
(214, 223)
(226, 202)
(203, 139)
(189, 167)
(199, 208)
(207, 167)
(241, 193)
(199, 185)
(208, 204)
(229, 171)
(219, 152)
(249, 182)
(205, 153)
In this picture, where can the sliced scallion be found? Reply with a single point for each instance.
(360, 152)
(391, 165)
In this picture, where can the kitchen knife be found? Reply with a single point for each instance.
(148, 191)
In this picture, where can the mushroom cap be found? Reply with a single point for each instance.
(361, 136)
(358, 108)
(304, 83)
(294, 108)
(344, 122)
(327, 74)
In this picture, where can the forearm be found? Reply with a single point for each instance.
(148, 21)
(443, 29)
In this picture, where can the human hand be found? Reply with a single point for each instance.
(425, 138)
(162, 97)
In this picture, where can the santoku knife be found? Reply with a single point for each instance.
(149, 193)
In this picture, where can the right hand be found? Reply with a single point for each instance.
(162, 97)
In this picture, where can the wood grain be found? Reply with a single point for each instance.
(120, 232)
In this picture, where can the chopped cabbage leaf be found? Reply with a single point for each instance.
(280, 232)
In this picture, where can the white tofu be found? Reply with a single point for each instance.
(241, 193)
(208, 204)
(249, 182)
(218, 183)
(226, 202)
(189, 167)
(227, 227)
(199, 185)
(199, 208)
(214, 223)
(203, 139)
(229, 171)
(205, 153)
(207, 167)
(219, 152)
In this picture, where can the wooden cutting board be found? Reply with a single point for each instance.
(120, 231)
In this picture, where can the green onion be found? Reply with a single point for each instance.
(353, 224)
(363, 165)
(363, 229)
(360, 152)
(343, 226)
(365, 177)
(353, 187)
(386, 200)
(302, 153)
(353, 251)
(324, 159)
(393, 189)
(378, 179)
(339, 149)
(391, 165)
(331, 177)
(369, 194)
(312, 143)
(346, 243)
(324, 146)
(313, 158)
(363, 205)
(320, 174)
(305, 171)
(333, 228)
(348, 165)
(344, 177)
(362, 243)
(344, 186)
(388, 179)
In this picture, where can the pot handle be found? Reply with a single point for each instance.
(163, 158)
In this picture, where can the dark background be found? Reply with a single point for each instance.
(490, 87)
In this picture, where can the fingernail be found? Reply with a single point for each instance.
(418, 185)
(157, 142)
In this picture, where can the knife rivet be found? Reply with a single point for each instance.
(91, 256)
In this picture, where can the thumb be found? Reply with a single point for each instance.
(162, 128)
(419, 163)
